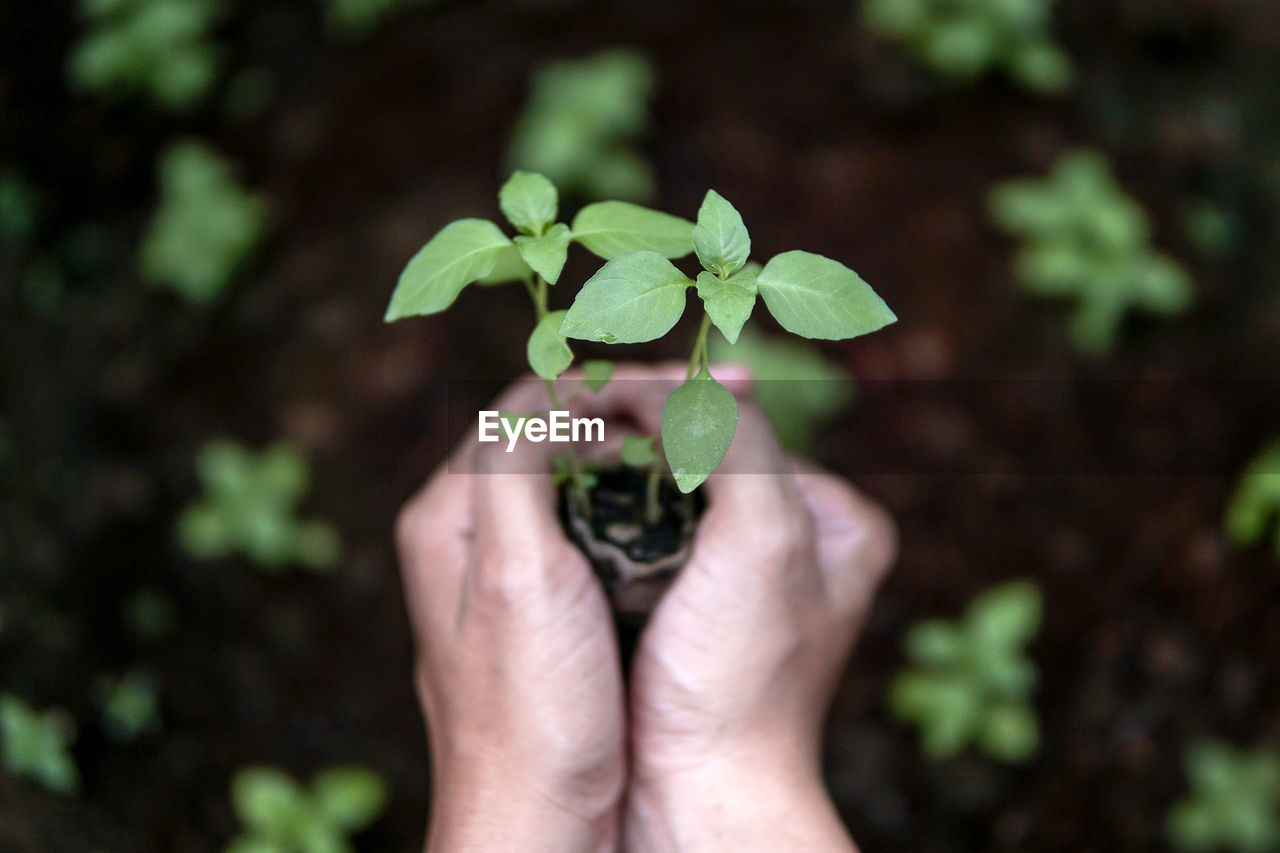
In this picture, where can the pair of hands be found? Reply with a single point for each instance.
(538, 745)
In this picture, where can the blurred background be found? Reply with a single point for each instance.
(206, 429)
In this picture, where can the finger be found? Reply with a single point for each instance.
(433, 535)
(857, 540)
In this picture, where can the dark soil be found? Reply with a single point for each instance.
(825, 139)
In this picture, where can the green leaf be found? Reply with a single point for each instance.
(613, 228)
(351, 797)
(720, 238)
(266, 799)
(638, 452)
(529, 201)
(546, 254)
(549, 353)
(1006, 617)
(728, 301)
(508, 267)
(634, 298)
(1010, 733)
(596, 373)
(698, 422)
(817, 297)
(460, 253)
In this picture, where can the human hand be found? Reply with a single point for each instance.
(517, 666)
(734, 672)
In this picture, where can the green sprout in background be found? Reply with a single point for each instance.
(250, 506)
(1255, 506)
(35, 744)
(359, 18)
(970, 680)
(18, 212)
(149, 614)
(205, 227)
(967, 38)
(161, 49)
(1083, 238)
(1233, 804)
(578, 125)
(130, 706)
(280, 815)
(795, 386)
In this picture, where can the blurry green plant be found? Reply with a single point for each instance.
(578, 125)
(970, 680)
(1255, 505)
(1213, 229)
(639, 295)
(359, 18)
(19, 202)
(279, 815)
(250, 506)
(36, 744)
(150, 614)
(130, 705)
(160, 49)
(1084, 238)
(205, 227)
(1233, 804)
(967, 38)
(797, 388)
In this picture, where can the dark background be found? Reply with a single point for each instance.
(824, 138)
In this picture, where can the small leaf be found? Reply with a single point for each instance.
(549, 353)
(634, 298)
(720, 238)
(266, 799)
(698, 422)
(817, 297)
(546, 254)
(596, 373)
(350, 797)
(638, 452)
(529, 201)
(460, 253)
(613, 228)
(729, 302)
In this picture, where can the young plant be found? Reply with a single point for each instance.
(970, 681)
(130, 705)
(967, 38)
(1084, 238)
(250, 506)
(795, 386)
(578, 125)
(205, 227)
(36, 744)
(159, 49)
(149, 614)
(1233, 804)
(280, 815)
(1255, 507)
(18, 208)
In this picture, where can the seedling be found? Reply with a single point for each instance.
(250, 506)
(578, 125)
(36, 745)
(205, 227)
(359, 18)
(967, 38)
(1084, 238)
(795, 386)
(639, 295)
(159, 49)
(150, 614)
(1255, 506)
(970, 680)
(1233, 804)
(18, 208)
(280, 815)
(130, 705)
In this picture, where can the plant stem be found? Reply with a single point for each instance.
(699, 355)
(537, 288)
